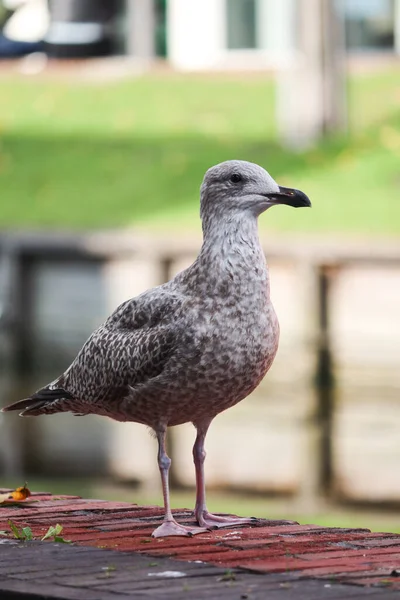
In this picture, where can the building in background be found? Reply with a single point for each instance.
(236, 34)
(191, 34)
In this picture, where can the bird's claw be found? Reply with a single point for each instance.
(206, 519)
(169, 528)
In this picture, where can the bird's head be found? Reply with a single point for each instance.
(237, 186)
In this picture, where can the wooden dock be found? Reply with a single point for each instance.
(112, 555)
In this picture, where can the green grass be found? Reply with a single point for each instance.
(80, 155)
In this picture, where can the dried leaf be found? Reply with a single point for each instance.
(21, 493)
(17, 495)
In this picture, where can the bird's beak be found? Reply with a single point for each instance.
(289, 196)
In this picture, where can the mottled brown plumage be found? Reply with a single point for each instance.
(191, 348)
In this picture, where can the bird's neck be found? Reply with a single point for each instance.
(227, 234)
(231, 248)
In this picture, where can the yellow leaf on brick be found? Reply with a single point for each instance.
(17, 495)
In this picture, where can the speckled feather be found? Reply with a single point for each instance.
(193, 347)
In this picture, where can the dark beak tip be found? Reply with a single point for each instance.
(294, 197)
(301, 199)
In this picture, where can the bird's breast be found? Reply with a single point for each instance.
(236, 339)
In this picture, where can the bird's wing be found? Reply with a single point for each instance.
(131, 347)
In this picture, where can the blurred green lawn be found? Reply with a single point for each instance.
(85, 155)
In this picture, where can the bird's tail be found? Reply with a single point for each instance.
(43, 402)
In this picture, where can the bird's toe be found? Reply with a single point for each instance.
(211, 521)
(169, 528)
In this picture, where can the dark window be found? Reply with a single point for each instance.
(241, 24)
(161, 27)
(369, 23)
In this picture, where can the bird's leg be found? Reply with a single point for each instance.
(169, 525)
(203, 517)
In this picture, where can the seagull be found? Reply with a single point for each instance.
(193, 347)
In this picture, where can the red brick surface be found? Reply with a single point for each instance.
(355, 556)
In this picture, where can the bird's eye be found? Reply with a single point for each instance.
(236, 177)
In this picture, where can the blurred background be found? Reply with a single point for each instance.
(110, 113)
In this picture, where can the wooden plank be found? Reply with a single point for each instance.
(24, 590)
(48, 570)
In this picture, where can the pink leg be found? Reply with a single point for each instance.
(204, 518)
(169, 525)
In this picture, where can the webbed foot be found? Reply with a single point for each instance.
(168, 528)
